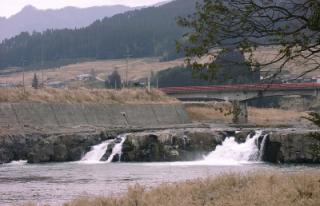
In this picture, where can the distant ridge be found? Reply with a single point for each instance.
(31, 19)
(162, 3)
(147, 32)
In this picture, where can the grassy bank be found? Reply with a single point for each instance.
(220, 113)
(261, 189)
(84, 96)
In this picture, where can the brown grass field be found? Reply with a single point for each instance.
(142, 67)
(84, 96)
(220, 113)
(138, 68)
(255, 189)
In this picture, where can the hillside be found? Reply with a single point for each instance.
(147, 32)
(31, 19)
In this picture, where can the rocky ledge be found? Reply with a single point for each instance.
(41, 148)
(280, 146)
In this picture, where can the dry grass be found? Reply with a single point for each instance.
(260, 189)
(217, 113)
(84, 96)
(276, 116)
(138, 68)
(220, 113)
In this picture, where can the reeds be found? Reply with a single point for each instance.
(258, 189)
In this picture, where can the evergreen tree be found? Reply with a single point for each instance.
(315, 118)
(114, 80)
(35, 82)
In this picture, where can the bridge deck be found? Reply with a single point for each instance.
(241, 87)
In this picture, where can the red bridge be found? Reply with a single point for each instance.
(241, 87)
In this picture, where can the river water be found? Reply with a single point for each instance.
(57, 183)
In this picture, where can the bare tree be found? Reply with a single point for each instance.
(292, 26)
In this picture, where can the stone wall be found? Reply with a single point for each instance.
(64, 115)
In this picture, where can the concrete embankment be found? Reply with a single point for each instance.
(70, 115)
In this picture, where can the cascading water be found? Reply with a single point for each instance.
(97, 152)
(117, 149)
(229, 153)
(233, 153)
(262, 147)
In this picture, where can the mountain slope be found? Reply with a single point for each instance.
(141, 33)
(31, 19)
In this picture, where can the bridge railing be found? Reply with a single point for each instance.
(241, 87)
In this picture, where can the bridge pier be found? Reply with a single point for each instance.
(240, 112)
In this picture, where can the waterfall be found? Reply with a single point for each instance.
(232, 153)
(117, 149)
(97, 152)
(262, 147)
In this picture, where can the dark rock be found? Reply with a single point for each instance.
(241, 137)
(290, 147)
(39, 148)
(170, 145)
(108, 152)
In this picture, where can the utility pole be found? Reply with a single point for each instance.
(42, 69)
(149, 83)
(157, 82)
(24, 89)
(127, 70)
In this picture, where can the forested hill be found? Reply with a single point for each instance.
(141, 33)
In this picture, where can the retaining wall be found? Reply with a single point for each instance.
(58, 115)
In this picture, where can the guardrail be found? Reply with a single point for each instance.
(241, 87)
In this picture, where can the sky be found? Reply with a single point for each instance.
(11, 7)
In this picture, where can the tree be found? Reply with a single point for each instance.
(315, 119)
(114, 80)
(217, 26)
(35, 81)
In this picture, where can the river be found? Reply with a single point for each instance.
(58, 183)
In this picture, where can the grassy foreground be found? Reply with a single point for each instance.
(219, 113)
(84, 96)
(258, 189)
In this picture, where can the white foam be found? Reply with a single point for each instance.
(96, 153)
(17, 163)
(231, 153)
(117, 149)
